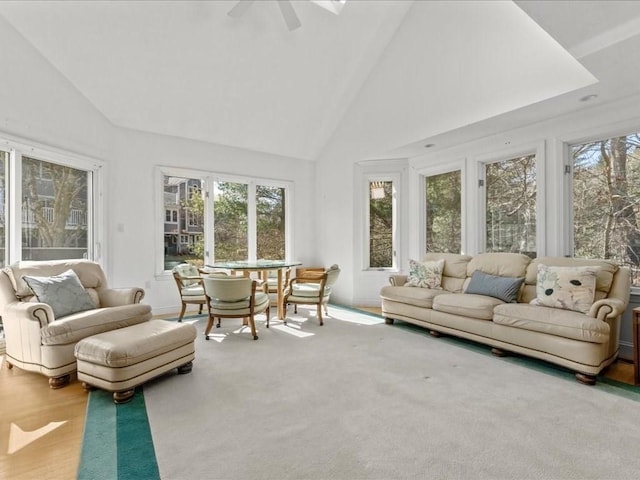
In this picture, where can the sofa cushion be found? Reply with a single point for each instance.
(502, 288)
(77, 326)
(467, 305)
(454, 273)
(90, 273)
(552, 321)
(63, 293)
(569, 288)
(604, 277)
(420, 297)
(425, 274)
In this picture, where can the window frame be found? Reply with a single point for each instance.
(208, 179)
(16, 149)
(538, 150)
(440, 169)
(395, 179)
(564, 146)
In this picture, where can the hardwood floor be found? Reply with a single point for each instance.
(41, 429)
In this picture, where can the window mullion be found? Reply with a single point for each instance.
(14, 194)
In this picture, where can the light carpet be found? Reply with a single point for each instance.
(358, 399)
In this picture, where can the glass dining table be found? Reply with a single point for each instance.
(261, 266)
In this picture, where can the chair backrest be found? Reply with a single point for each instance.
(332, 275)
(183, 271)
(227, 289)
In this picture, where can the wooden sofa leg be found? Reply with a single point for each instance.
(388, 321)
(59, 382)
(499, 353)
(9, 364)
(433, 333)
(586, 378)
(124, 396)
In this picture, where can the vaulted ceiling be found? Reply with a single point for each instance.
(387, 76)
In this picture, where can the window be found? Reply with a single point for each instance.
(182, 195)
(3, 207)
(510, 205)
(230, 219)
(381, 219)
(54, 211)
(51, 197)
(443, 212)
(606, 201)
(270, 210)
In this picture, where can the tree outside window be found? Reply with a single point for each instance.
(381, 248)
(511, 193)
(443, 212)
(606, 201)
(54, 211)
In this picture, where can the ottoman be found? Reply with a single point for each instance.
(120, 360)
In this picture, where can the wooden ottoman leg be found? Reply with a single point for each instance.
(124, 396)
(186, 368)
(88, 387)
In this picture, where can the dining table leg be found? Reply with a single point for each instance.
(281, 308)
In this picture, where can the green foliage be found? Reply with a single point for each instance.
(381, 228)
(443, 216)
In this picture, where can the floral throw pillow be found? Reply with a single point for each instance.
(425, 274)
(570, 288)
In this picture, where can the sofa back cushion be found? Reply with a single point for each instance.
(454, 273)
(90, 274)
(604, 276)
(501, 264)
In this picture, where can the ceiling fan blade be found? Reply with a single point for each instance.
(238, 10)
(289, 14)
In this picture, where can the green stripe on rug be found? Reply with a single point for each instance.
(117, 441)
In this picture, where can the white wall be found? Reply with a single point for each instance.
(132, 222)
(39, 106)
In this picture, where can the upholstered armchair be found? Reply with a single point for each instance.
(189, 282)
(48, 306)
(234, 297)
(311, 288)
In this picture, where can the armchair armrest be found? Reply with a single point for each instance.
(607, 308)
(398, 280)
(114, 297)
(33, 311)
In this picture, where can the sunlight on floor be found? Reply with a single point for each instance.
(19, 438)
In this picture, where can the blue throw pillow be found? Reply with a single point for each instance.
(63, 293)
(502, 288)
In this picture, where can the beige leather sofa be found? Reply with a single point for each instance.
(583, 342)
(38, 341)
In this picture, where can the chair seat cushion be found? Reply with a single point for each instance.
(552, 321)
(75, 327)
(241, 306)
(192, 291)
(310, 290)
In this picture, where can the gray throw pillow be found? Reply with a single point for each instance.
(63, 293)
(502, 288)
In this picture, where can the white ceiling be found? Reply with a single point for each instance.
(387, 76)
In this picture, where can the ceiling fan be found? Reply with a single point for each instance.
(288, 13)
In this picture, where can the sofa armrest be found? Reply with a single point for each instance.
(28, 311)
(607, 308)
(115, 297)
(398, 280)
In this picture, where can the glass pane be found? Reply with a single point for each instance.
(54, 211)
(270, 216)
(183, 221)
(381, 224)
(4, 156)
(606, 199)
(444, 219)
(511, 206)
(230, 206)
